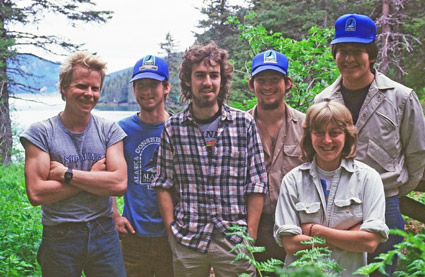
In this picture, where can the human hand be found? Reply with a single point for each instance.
(57, 171)
(100, 165)
(123, 226)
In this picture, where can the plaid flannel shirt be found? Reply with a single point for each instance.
(210, 189)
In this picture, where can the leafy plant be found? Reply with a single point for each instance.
(411, 254)
(248, 244)
(311, 262)
(20, 227)
(311, 64)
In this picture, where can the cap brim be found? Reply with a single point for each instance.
(148, 75)
(268, 67)
(351, 39)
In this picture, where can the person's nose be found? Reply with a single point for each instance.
(207, 81)
(327, 138)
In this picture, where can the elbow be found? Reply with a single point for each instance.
(289, 249)
(122, 186)
(371, 246)
(34, 199)
(120, 189)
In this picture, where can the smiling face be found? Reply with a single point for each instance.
(205, 85)
(328, 142)
(150, 94)
(270, 88)
(83, 93)
(353, 63)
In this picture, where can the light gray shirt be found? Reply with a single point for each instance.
(356, 195)
(77, 151)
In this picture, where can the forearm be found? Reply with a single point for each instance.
(115, 212)
(45, 192)
(255, 203)
(166, 207)
(350, 240)
(109, 183)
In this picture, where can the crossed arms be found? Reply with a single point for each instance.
(44, 178)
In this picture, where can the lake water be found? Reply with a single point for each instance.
(29, 108)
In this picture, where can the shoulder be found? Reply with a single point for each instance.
(328, 92)
(386, 84)
(295, 114)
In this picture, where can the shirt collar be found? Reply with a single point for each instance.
(225, 113)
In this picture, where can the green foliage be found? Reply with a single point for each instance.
(410, 252)
(316, 257)
(20, 227)
(311, 64)
(311, 262)
(248, 244)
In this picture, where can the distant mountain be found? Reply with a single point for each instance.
(31, 71)
(42, 76)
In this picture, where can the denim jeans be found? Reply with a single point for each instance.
(68, 249)
(394, 220)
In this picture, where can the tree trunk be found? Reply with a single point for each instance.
(5, 123)
(386, 31)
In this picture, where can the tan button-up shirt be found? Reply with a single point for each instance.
(286, 154)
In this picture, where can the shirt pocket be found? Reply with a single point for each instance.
(347, 212)
(308, 212)
(380, 156)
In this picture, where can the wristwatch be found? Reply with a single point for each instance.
(68, 175)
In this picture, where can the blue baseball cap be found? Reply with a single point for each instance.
(150, 67)
(269, 60)
(354, 28)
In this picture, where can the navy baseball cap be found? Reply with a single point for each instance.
(354, 28)
(150, 67)
(269, 60)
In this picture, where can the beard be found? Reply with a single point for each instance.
(202, 102)
(269, 106)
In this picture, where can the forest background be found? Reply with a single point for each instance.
(301, 30)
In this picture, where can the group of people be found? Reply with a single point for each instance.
(336, 172)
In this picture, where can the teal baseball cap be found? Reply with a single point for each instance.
(354, 28)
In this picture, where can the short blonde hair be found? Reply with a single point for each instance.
(85, 59)
(318, 117)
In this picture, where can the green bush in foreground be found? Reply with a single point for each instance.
(20, 227)
(410, 252)
(314, 262)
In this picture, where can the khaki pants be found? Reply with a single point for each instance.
(188, 262)
(147, 256)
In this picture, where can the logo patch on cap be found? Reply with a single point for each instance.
(270, 57)
(350, 24)
(149, 63)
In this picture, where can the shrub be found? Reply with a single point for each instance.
(20, 227)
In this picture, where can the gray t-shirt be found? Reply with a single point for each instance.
(77, 151)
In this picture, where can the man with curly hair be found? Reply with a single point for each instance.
(211, 162)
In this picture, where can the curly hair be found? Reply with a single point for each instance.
(207, 54)
(79, 58)
(317, 118)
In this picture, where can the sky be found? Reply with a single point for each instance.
(136, 29)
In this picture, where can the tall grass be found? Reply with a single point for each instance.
(20, 225)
